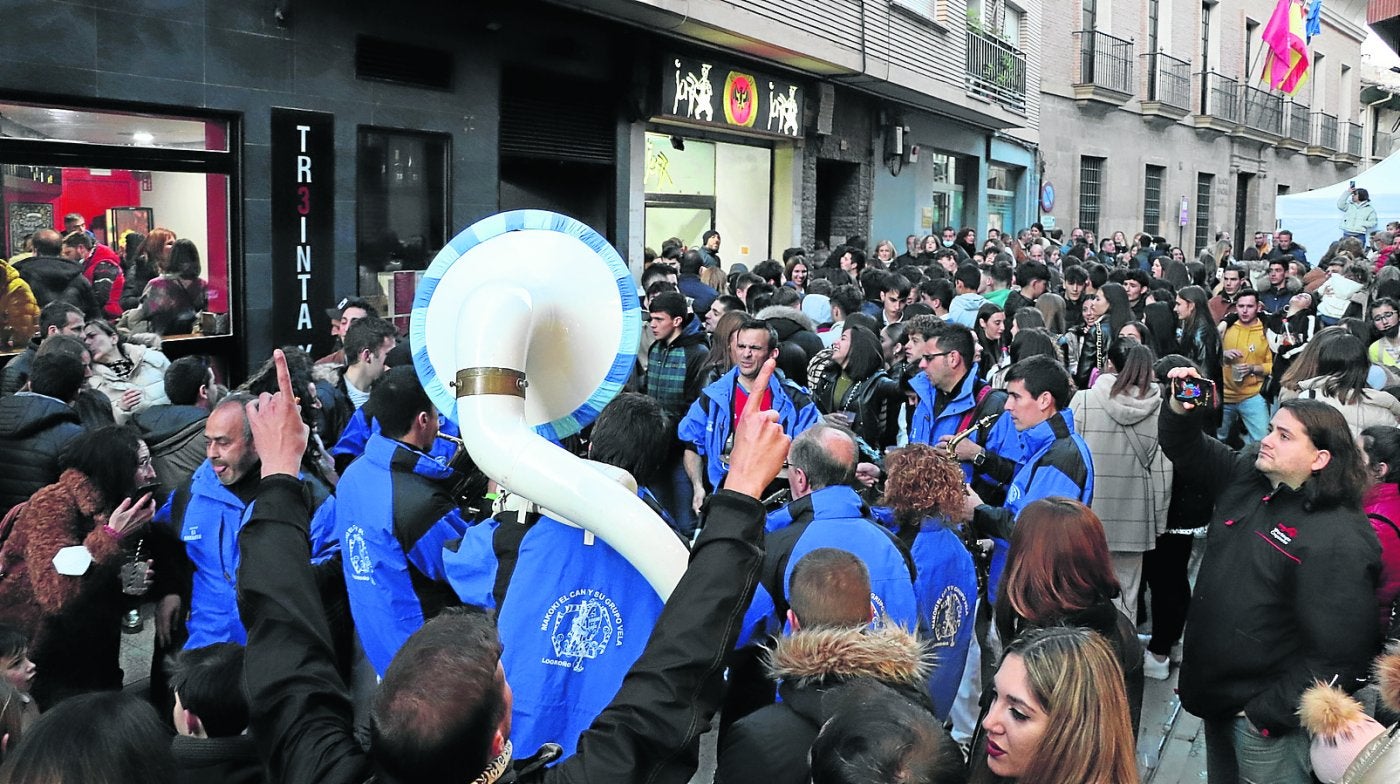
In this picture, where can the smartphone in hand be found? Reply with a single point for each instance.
(1196, 391)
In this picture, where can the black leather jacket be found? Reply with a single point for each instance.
(874, 404)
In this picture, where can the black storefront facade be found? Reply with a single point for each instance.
(313, 150)
(316, 149)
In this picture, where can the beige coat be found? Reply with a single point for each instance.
(1374, 407)
(147, 374)
(1132, 477)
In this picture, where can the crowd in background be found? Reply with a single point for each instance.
(940, 507)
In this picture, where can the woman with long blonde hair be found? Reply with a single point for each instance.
(1060, 715)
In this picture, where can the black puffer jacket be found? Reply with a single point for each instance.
(795, 331)
(175, 435)
(53, 278)
(1286, 592)
(33, 430)
(16, 372)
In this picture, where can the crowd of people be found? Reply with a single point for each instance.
(940, 508)
(144, 284)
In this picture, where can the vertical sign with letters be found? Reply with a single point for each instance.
(303, 229)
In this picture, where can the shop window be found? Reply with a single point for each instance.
(693, 185)
(1002, 182)
(401, 214)
(123, 177)
(949, 175)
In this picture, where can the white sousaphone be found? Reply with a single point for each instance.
(525, 325)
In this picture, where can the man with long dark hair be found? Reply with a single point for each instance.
(1286, 594)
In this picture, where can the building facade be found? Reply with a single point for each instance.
(316, 149)
(1156, 118)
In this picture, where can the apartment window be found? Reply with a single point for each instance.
(1011, 23)
(1154, 10)
(1152, 200)
(1205, 186)
(1317, 87)
(1090, 192)
(932, 10)
(1344, 97)
(1251, 32)
(1206, 9)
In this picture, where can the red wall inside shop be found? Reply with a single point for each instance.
(92, 195)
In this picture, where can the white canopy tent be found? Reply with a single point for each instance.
(1313, 216)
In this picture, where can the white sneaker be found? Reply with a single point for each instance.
(1158, 668)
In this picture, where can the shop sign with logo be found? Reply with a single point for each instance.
(715, 93)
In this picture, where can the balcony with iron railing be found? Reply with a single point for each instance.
(1168, 87)
(1324, 135)
(1261, 114)
(1353, 150)
(1297, 126)
(1218, 107)
(1105, 68)
(996, 70)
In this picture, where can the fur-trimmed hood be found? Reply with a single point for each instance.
(888, 654)
(1349, 746)
(789, 313)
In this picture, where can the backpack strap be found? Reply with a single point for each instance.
(1392, 611)
(505, 543)
(1372, 515)
(971, 415)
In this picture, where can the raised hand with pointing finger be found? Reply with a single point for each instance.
(278, 430)
(760, 445)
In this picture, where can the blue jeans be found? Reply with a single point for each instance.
(1237, 754)
(1255, 413)
(673, 490)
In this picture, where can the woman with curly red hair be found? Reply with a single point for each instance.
(921, 489)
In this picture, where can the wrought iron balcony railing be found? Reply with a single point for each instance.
(1168, 80)
(1299, 122)
(1261, 110)
(1324, 130)
(996, 70)
(1105, 61)
(1355, 141)
(1219, 97)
